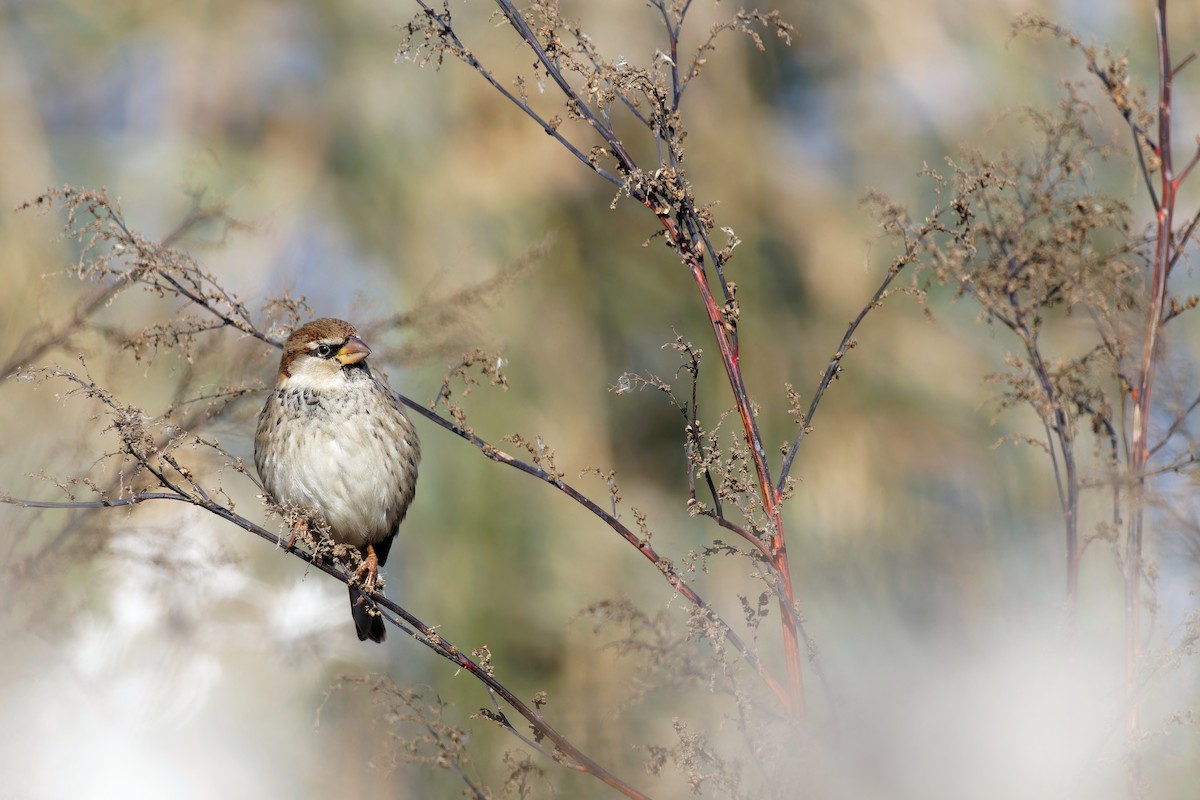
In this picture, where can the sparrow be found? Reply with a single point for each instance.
(332, 437)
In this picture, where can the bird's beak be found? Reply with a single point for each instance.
(353, 351)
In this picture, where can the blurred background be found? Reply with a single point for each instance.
(160, 652)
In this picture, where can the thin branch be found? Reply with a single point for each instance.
(1185, 237)
(130, 500)
(1176, 424)
(675, 217)
(644, 547)
(448, 34)
(32, 348)
(834, 368)
(425, 634)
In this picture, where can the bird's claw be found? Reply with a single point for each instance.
(299, 528)
(370, 569)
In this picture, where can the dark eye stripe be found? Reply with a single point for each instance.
(325, 350)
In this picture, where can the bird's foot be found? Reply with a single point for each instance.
(299, 529)
(367, 574)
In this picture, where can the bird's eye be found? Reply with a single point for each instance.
(325, 350)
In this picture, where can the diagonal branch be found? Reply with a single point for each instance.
(644, 547)
(577, 759)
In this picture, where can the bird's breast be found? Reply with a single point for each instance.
(353, 457)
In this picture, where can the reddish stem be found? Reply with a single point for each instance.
(1164, 222)
(767, 491)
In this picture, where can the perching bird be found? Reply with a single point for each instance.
(332, 437)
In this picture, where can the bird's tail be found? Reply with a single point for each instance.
(367, 618)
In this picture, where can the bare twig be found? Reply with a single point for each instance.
(185, 490)
(667, 195)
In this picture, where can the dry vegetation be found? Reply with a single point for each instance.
(1084, 293)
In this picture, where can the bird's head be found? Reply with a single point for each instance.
(316, 354)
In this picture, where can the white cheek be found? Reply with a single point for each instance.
(316, 375)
